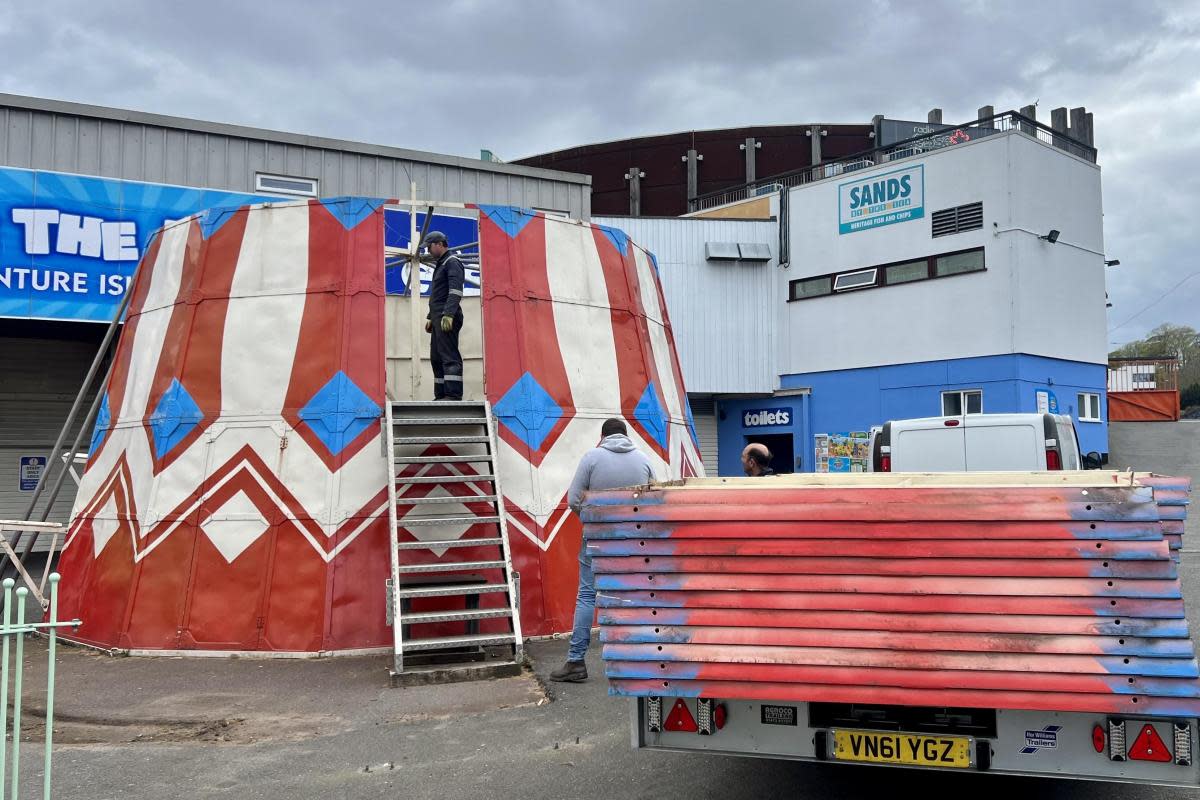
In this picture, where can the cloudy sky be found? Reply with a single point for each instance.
(526, 77)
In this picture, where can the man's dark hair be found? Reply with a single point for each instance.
(760, 455)
(613, 426)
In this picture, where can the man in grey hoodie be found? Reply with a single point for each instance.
(613, 464)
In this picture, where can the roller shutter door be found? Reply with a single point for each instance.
(704, 415)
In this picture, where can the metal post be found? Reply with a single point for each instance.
(19, 667)
(815, 133)
(52, 636)
(693, 160)
(634, 176)
(4, 633)
(750, 146)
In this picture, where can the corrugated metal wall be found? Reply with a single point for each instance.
(67, 137)
(40, 379)
(704, 413)
(723, 314)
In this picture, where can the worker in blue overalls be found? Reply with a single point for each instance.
(445, 319)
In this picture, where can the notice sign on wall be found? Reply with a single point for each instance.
(29, 472)
(876, 200)
(766, 417)
(843, 452)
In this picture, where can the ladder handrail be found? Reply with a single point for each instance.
(393, 538)
(506, 550)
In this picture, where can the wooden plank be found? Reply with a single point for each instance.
(878, 621)
(982, 567)
(1036, 663)
(905, 678)
(879, 584)
(915, 548)
(972, 530)
(1097, 703)
(904, 640)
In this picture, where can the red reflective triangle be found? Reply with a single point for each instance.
(1148, 746)
(680, 718)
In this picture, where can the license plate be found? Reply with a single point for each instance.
(909, 749)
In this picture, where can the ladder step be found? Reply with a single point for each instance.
(472, 498)
(447, 404)
(447, 642)
(451, 590)
(454, 459)
(440, 421)
(455, 616)
(408, 440)
(447, 479)
(408, 522)
(434, 543)
(461, 566)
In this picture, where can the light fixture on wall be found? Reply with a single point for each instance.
(1051, 237)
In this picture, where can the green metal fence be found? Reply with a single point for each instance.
(13, 630)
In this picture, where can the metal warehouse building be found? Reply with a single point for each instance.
(82, 188)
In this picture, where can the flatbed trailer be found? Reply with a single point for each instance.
(1012, 623)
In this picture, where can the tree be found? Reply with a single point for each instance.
(1169, 341)
(1190, 396)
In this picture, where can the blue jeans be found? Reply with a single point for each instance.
(585, 608)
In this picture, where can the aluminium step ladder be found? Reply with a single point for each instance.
(445, 500)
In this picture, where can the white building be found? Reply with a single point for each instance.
(915, 282)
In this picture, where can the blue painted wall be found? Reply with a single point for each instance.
(732, 433)
(854, 400)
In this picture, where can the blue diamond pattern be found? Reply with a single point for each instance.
(175, 416)
(511, 220)
(618, 237)
(528, 411)
(339, 412)
(351, 210)
(103, 421)
(212, 219)
(650, 413)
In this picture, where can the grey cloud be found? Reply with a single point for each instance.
(527, 77)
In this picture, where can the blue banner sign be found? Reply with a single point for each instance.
(459, 230)
(69, 244)
(885, 199)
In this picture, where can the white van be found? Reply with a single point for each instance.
(978, 443)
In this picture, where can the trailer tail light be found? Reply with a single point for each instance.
(1053, 461)
(1183, 744)
(885, 463)
(1116, 740)
(680, 719)
(654, 714)
(1098, 739)
(1149, 746)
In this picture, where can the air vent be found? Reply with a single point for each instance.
(958, 219)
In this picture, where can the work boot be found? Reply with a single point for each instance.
(570, 672)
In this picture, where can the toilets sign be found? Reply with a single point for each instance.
(876, 200)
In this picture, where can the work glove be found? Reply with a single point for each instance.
(447, 324)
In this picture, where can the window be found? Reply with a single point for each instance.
(955, 404)
(1143, 377)
(958, 263)
(943, 265)
(908, 271)
(811, 287)
(957, 219)
(281, 184)
(1089, 407)
(854, 280)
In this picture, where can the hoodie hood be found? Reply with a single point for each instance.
(617, 443)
